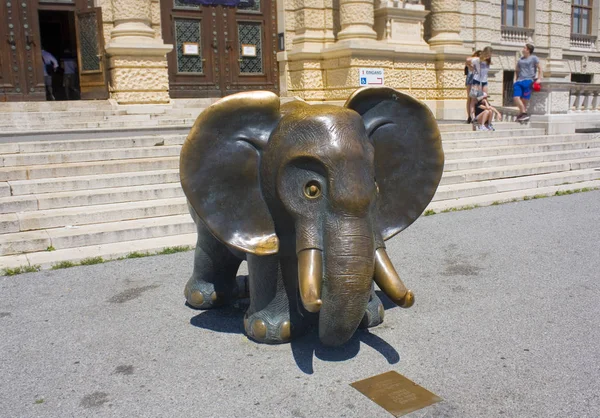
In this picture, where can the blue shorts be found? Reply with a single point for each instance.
(522, 89)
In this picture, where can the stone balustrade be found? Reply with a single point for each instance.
(583, 97)
(583, 41)
(516, 35)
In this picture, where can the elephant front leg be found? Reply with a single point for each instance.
(213, 280)
(273, 315)
(374, 313)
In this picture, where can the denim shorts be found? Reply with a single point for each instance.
(476, 82)
(522, 89)
(469, 79)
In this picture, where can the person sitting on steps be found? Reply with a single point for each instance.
(525, 75)
(484, 114)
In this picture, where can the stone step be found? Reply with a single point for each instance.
(192, 103)
(515, 140)
(457, 191)
(47, 158)
(96, 234)
(87, 168)
(481, 174)
(104, 124)
(90, 144)
(467, 127)
(46, 259)
(454, 136)
(5, 189)
(458, 154)
(57, 106)
(88, 183)
(29, 117)
(35, 202)
(58, 218)
(520, 159)
(86, 121)
(44, 135)
(509, 196)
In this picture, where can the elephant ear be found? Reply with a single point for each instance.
(219, 170)
(409, 159)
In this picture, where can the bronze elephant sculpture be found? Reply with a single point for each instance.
(307, 194)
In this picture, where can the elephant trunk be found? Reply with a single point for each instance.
(348, 275)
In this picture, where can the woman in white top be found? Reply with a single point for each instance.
(469, 83)
(481, 66)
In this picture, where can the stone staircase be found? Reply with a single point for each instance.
(22, 120)
(118, 192)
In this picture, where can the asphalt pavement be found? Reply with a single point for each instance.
(506, 324)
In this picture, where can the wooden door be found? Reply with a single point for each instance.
(193, 30)
(208, 59)
(90, 54)
(21, 73)
(250, 53)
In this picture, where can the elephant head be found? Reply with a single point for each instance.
(324, 184)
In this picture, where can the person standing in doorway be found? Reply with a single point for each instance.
(50, 65)
(527, 71)
(69, 65)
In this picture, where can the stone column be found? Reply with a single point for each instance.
(357, 19)
(445, 24)
(137, 56)
(559, 29)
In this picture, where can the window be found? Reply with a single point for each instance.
(581, 78)
(581, 17)
(514, 13)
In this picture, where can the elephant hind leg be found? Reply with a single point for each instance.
(213, 281)
(374, 313)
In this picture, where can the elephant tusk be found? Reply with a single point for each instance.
(388, 280)
(310, 276)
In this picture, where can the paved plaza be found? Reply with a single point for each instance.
(506, 324)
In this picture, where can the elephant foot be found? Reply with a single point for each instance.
(374, 313)
(268, 327)
(200, 294)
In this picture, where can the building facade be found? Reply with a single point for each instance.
(149, 51)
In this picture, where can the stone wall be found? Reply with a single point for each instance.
(327, 41)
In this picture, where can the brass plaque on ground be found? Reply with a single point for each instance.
(395, 393)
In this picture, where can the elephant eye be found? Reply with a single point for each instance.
(312, 189)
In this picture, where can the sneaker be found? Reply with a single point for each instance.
(522, 117)
(468, 120)
(491, 127)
